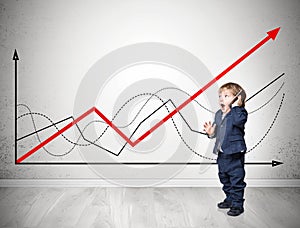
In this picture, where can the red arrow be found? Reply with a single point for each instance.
(271, 35)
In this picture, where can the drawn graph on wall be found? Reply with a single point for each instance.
(142, 104)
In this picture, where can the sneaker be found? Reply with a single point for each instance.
(235, 211)
(224, 205)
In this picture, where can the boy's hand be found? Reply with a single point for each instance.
(209, 128)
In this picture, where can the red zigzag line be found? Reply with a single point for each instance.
(271, 35)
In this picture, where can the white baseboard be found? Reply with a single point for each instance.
(141, 183)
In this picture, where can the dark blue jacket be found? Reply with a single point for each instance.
(234, 123)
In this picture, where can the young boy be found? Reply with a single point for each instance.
(228, 129)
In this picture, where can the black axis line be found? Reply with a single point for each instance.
(273, 163)
(16, 58)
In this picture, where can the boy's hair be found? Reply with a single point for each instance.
(235, 89)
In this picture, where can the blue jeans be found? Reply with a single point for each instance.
(231, 175)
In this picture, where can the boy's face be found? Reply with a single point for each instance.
(225, 98)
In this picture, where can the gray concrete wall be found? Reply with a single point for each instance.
(59, 41)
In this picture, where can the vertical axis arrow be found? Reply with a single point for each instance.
(16, 58)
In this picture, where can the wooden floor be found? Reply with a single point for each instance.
(145, 207)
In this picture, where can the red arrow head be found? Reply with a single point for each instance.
(273, 33)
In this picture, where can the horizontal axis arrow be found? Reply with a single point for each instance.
(273, 163)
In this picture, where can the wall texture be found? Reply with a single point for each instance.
(59, 41)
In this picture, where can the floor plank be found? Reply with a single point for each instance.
(145, 207)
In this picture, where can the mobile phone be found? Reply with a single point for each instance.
(236, 97)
